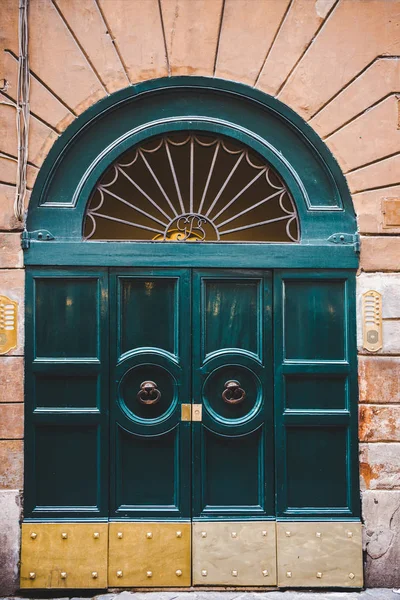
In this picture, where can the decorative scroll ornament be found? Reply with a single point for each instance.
(191, 188)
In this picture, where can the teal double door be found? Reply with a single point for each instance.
(191, 372)
(206, 419)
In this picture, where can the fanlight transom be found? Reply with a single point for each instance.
(187, 187)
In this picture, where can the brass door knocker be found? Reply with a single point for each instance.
(233, 393)
(148, 393)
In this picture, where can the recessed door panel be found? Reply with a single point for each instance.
(141, 460)
(233, 462)
(149, 306)
(227, 489)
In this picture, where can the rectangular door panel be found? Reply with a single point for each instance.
(316, 394)
(67, 371)
(231, 315)
(232, 380)
(316, 467)
(227, 489)
(150, 306)
(314, 312)
(147, 473)
(66, 319)
(66, 474)
(150, 444)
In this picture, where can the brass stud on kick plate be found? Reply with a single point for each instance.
(204, 573)
(203, 534)
(318, 534)
(32, 575)
(319, 575)
(149, 573)
(287, 533)
(265, 573)
(149, 535)
(264, 533)
(95, 574)
(234, 534)
(63, 575)
(119, 573)
(179, 534)
(349, 534)
(96, 535)
(234, 573)
(351, 575)
(64, 536)
(178, 572)
(33, 535)
(120, 535)
(288, 574)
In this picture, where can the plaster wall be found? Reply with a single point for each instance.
(335, 62)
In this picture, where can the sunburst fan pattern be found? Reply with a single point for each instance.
(187, 187)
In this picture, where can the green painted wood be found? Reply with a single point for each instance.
(126, 254)
(129, 117)
(66, 440)
(150, 445)
(233, 461)
(191, 331)
(316, 394)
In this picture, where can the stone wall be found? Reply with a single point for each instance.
(335, 62)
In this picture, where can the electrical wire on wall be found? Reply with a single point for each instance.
(22, 108)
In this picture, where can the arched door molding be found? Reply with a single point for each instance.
(129, 117)
(175, 389)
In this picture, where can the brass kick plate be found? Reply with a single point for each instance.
(319, 554)
(234, 553)
(64, 555)
(149, 554)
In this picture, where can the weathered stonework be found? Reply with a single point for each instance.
(10, 515)
(11, 421)
(10, 251)
(11, 379)
(381, 512)
(379, 379)
(379, 466)
(379, 423)
(11, 464)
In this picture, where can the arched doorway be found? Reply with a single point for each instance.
(191, 251)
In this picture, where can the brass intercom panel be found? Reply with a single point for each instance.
(372, 320)
(8, 324)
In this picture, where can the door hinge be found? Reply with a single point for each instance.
(191, 412)
(40, 235)
(346, 239)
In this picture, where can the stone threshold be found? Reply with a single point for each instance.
(368, 594)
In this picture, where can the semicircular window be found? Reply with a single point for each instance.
(187, 187)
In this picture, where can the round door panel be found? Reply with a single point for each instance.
(232, 394)
(148, 392)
